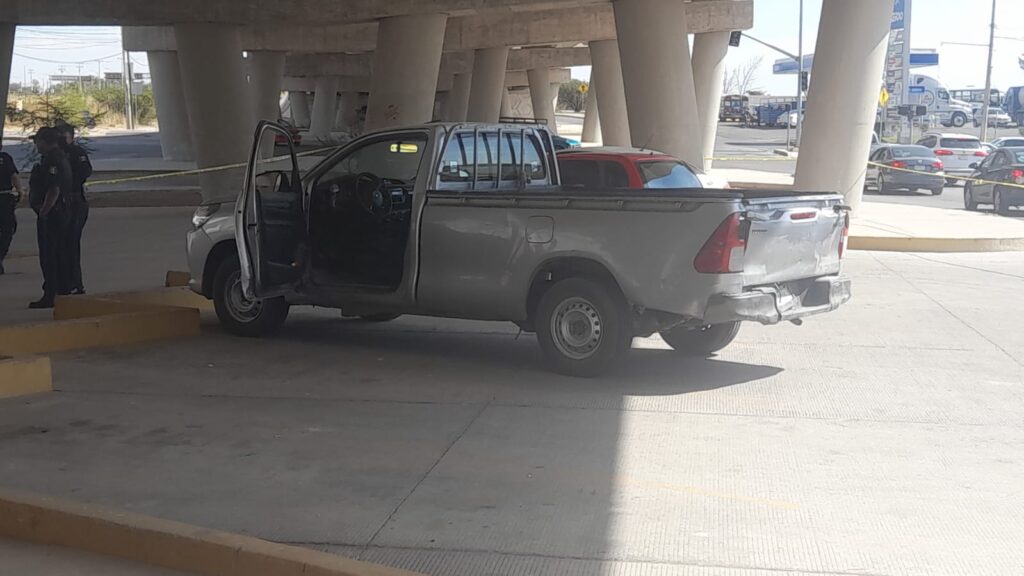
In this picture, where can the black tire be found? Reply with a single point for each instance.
(576, 309)
(969, 202)
(951, 181)
(701, 341)
(383, 317)
(999, 204)
(937, 191)
(238, 315)
(958, 120)
(882, 187)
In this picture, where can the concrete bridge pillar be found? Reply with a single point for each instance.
(709, 50)
(606, 74)
(458, 99)
(541, 98)
(300, 108)
(405, 68)
(841, 103)
(653, 44)
(6, 55)
(488, 83)
(348, 111)
(266, 74)
(325, 103)
(171, 111)
(506, 102)
(213, 79)
(591, 117)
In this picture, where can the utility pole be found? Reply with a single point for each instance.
(988, 75)
(127, 85)
(800, 77)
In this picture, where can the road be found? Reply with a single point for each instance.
(115, 144)
(885, 438)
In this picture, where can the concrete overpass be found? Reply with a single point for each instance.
(650, 90)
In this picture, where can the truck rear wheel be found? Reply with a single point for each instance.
(239, 315)
(583, 327)
(703, 341)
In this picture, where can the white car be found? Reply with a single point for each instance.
(957, 152)
(996, 117)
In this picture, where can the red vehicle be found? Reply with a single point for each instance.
(279, 139)
(629, 168)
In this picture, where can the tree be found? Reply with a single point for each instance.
(743, 78)
(572, 95)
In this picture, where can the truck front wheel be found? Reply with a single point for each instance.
(238, 314)
(583, 327)
(703, 341)
(959, 119)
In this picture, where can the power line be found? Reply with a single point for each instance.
(118, 55)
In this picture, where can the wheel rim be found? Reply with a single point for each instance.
(239, 307)
(577, 328)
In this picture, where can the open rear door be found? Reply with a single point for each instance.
(270, 228)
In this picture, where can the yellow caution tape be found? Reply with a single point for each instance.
(205, 170)
(950, 177)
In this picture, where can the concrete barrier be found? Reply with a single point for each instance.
(52, 521)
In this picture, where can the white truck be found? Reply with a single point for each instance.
(929, 92)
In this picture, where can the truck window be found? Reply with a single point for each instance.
(667, 174)
(391, 157)
(487, 158)
(457, 162)
(534, 164)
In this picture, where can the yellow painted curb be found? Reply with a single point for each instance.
(46, 520)
(108, 330)
(917, 244)
(25, 375)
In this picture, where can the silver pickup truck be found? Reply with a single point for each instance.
(469, 221)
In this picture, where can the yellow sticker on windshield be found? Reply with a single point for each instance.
(405, 148)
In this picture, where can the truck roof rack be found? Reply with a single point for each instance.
(518, 120)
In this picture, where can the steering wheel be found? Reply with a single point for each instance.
(372, 196)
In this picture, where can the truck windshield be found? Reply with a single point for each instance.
(668, 174)
(965, 143)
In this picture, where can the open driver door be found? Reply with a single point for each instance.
(270, 222)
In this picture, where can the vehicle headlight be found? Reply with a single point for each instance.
(203, 214)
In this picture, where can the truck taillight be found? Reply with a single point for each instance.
(846, 236)
(1018, 175)
(723, 251)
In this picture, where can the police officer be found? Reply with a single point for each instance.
(50, 189)
(81, 169)
(10, 193)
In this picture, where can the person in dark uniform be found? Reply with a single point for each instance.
(10, 193)
(49, 193)
(81, 170)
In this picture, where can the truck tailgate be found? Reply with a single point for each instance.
(791, 238)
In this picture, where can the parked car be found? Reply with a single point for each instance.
(957, 152)
(904, 167)
(610, 167)
(563, 143)
(470, 221)
(293, 135)
(1008, 142)
(999, 180)
(996, 117)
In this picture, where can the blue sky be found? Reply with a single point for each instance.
(934, 24)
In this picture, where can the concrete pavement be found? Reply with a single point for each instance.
(885, 438)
